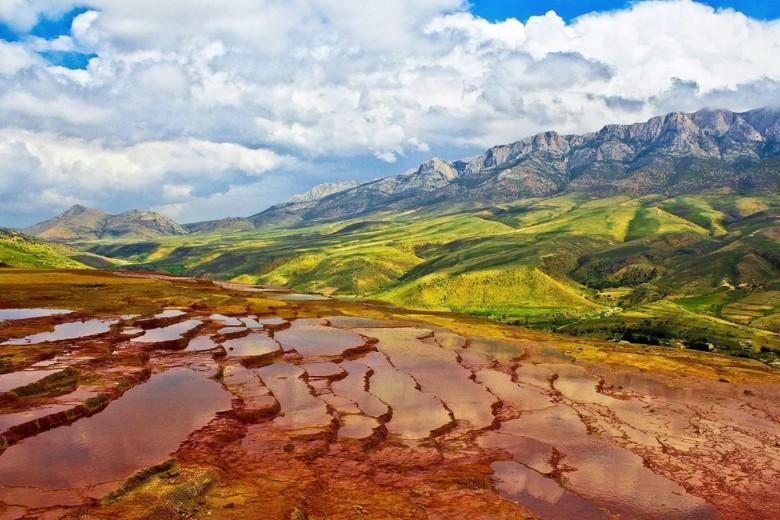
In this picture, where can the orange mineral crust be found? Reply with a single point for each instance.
(170, 398)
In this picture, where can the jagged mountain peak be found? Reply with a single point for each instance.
(323, 190)
(76, 209)
(676, 152)
(436, 169)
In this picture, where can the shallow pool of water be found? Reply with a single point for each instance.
(353, 388)
(326, 370)
(273, 323)
(229, 331)
(256, 344)
(67, 331)
(200, 344)
(301, 410)
(348, 322)
(141, 428)
(22, 378)
(357, 427)
(437, 371)
(169, 313)
(316, 340)
(225, 320)
(173, 332)
(416, 414)
(14, 419)
(23, 314)
(541, 495)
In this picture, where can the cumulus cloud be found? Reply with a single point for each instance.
(70, 170)
(203, 99)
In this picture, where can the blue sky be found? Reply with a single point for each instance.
(569, 9)
(202, 110)
(50, 27)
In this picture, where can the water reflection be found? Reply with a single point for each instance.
(22, 314)
(66, 331)
(257, 344)
(141, 428)
(300, 409)
(22, 378)
(173, 332)
(542, 496)
(316, 340)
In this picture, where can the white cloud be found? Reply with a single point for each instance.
(68, 170)
(15, 57)
(22, 15)
(193, 88)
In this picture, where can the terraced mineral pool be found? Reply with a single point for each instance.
(23, 314)
(67, 331)
(437, 371)
(597, 465)
(496, 348)
(110, 447)
(251, 323)
(226, 320)
(316, 340)
(326, 370)
(357, 427)
(17, 418)
(300, 409)
(229, 331)
(173, 332)
(63, 403)
(542, 496)
(502, 386)
(200, 344)
(416, 414)
(22, 378)
(256, 344)
(354, 388)
(273, 323)
(169, 313)
(348, 322)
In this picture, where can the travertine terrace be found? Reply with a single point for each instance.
(190, 399)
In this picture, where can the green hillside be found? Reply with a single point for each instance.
(684, 271)
(20, 250)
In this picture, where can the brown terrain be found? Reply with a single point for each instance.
(161, 397)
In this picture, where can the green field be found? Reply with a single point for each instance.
(18, 250)
(684, 271)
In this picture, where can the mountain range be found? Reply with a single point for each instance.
(674, 154)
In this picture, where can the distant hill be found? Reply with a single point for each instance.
(81, 223)
(20, 250)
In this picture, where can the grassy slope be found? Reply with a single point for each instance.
(20, 250)
(542, 262)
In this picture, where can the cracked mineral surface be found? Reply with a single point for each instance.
(349, 410)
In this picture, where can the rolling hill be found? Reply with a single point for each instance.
(20, 250)
(664, 232)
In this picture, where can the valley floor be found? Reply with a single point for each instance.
(163, 397)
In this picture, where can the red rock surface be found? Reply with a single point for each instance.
(382, 417)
